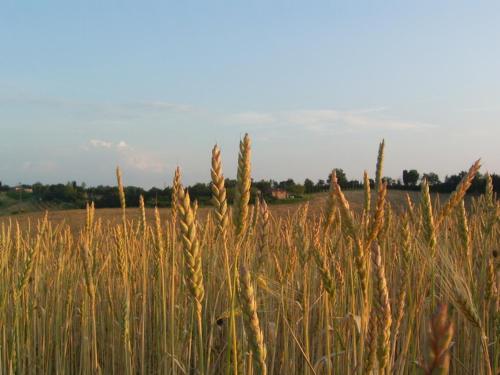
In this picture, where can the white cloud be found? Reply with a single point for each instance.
(97, 143)
(122, 145)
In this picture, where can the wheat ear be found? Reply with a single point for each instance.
(383, 309)
(243, 183)
(459, 192)
(192, 251)
(428, 218)
(142, 209)
(380, 163)
(367, 194)
(219, 199)
(323, 267)
(440, 336)
(176, 186)
(330, 204)
(464, 234)
(255, 335)
(378, 217)
(193, 262)
(359, 250)
(263, 244)
(371, 344)
(121, 193)
(489, 194)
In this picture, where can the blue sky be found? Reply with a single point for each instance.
(87, 85)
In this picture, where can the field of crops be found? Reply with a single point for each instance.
(245, 289)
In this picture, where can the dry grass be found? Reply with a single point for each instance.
(75, 218)
(335, 286)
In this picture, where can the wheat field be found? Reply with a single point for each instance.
(242, 290)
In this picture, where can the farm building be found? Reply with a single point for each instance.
(280, 194)
(24, 189)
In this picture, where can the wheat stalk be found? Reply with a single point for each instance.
(88, 267)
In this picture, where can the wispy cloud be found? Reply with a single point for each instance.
(370, 109)
(253, 118)
(480, 109)
(146, 162)
(322, 120)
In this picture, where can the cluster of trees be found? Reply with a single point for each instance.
(412, 179)
(4, 187)
(323, 185)
(107, 196)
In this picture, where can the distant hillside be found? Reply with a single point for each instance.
(317, 202)
(12, 203)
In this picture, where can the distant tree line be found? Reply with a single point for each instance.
(107, 196)
(411, 181)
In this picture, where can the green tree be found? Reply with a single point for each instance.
(308, 186)
(287, 184)
(432, 178)
(341, 177)
(410, 178)
(321, 185)
(390, 181)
